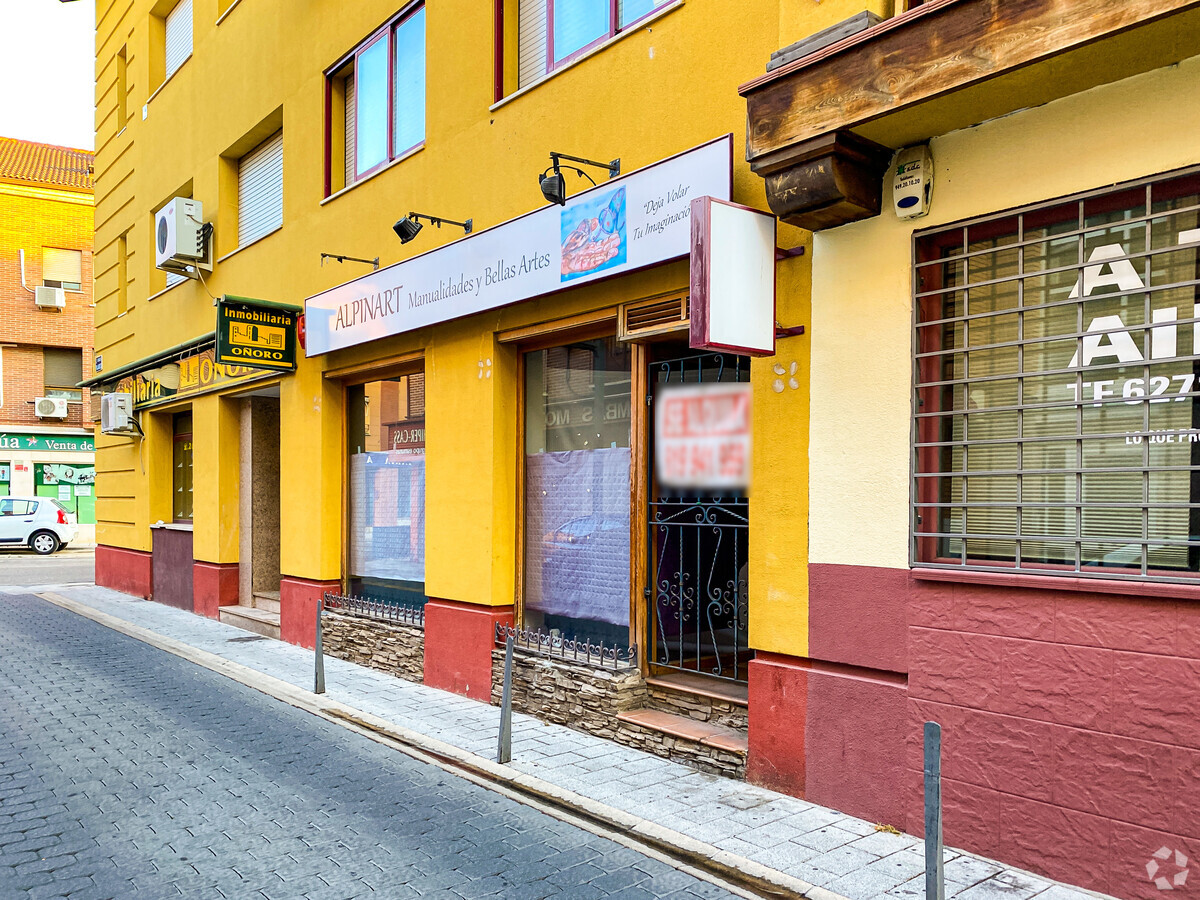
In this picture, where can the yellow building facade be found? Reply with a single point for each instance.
(403, 466)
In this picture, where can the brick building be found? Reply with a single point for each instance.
(46, 236)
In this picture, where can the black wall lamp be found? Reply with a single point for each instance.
(408, 227)
(554, 187)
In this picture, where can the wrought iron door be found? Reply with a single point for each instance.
(697, 550)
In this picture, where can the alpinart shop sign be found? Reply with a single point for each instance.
(622, 225)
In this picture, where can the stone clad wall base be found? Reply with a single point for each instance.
(459, 639)
(396, 649)
(127, 571)
(298, 599)
(692, 754)
(214, 585)
(698, 707)
(582, 697)
(589, 699)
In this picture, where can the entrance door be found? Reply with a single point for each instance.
(697, 546)
(259, 534)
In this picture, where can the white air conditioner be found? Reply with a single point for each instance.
(116, 413)
(49, 297)
(179, 235)
(50, 407)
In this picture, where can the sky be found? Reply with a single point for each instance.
(47, 70)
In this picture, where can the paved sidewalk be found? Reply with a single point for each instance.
(737, 821)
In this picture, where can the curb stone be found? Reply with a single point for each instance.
(703, 858)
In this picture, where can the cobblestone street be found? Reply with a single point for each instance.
(126, 771)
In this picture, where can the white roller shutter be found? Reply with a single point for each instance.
(351, 119)
(178, 36)
(532, 45)
(260, 190)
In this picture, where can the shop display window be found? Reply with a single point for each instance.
(387, 489)
(577, 490)
(1057, 374)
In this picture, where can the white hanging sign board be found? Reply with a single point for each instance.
(639, 220)
(732, 305)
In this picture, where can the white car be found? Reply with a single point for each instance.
(40, 523)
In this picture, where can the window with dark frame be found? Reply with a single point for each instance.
(1057, 371)
(551, 33)
(376, 100)
(181, 467)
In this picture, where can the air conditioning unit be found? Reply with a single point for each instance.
(49, 297)
(179, 235)
(50, 407)
(116, 413)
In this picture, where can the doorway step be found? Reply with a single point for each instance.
(694, 720)
(261, 616)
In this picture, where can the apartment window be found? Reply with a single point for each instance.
(181, 467)
(260, 190)
(62, 268)
(553, 32)
(1057, 428)
(177, 46)
(62, 370)
(377, 97)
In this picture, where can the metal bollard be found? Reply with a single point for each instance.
(319, 687)
(504, 745)
(935, 876)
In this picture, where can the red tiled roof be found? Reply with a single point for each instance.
(46, 164)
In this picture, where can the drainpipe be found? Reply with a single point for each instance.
(23, 284)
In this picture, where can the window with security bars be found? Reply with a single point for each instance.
(554, 32)
(1057, 354)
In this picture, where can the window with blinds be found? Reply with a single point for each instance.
(1057, 364)
(260, 190)
(578, 25)
(62, 370)
(177, 37)
(379, 90)
(62, 268)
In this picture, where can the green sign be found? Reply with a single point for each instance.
(82, 442)
(256, 333)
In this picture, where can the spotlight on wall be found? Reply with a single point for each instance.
(408, 227)
(554, 186)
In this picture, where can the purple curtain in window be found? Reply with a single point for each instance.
(577, 534)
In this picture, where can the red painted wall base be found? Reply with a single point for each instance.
(127, 571)
(778, 717)
(298, 598)
(459, 638)
(214, 585)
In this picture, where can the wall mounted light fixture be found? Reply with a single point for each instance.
(408, 227)
(554, 186)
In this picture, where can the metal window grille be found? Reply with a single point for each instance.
(260, 190)
(381, 610)
(1057, 367)
(178, 36)
(544, 643)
